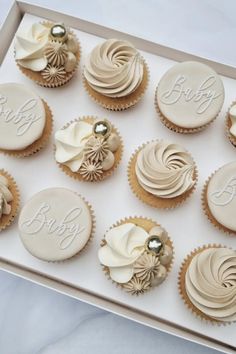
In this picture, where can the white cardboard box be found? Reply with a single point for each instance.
(82, 277)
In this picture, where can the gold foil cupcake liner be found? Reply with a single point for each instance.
(176, 128)
(147, 224)
(118, 154)
(228, 125)
(38, 144)
(6, 220)
(207, 211)
(182, 290)
(119, 103)
(37, 77)
(150, 199)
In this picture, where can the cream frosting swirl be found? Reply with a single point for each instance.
(5, 197)
(165, 170)
(114, 68)
(70, 143)
(210, 283)
(124, 245)
(30, 46)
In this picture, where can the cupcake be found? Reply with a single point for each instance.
(9, 199)
(26, 120)
(88, 149)
(48, 53)
(219, 198)
(207, 283)
(189, 97)
(115, 75)
(162, 174)
(231, 123)
(136, 254)
(55, 224)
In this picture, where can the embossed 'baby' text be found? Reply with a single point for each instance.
(67, 229)
(23, 117)
(204, 95)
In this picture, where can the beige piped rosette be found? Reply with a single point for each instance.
(148, 198)
(95, 155)
(230, 123)
(120, 103)
(39, 143)
(61, 53)
(9, 199)
(148, 261)
(182, 287)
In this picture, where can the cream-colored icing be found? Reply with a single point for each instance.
(114, 68)
(210, 283)
(124, 244)
(22, 116)
(81, 151)
(221, 195)
(108, 162)
(5, 197)
(30, 45)
(55, 224)
(190, 94)
(232, 115)
(165, 170)
(70, 143)
(70, 62)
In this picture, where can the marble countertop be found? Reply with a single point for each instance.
(34, 319)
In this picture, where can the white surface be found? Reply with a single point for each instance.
(217, 143)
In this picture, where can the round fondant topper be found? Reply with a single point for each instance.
(55, 224)
(221, 195)
(190, 94)
(22, 117)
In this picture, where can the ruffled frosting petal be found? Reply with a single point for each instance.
(124, 244)
(30, 46)
(70, 143)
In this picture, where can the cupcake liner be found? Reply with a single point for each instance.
(91, 237)
(38, 144)
(150, 199)
(6, 220)
(37, 77)
(117, 154)
(120, 103)
(182, 291)
(208, 213)
(176, 128)
(228, 125)
(147, 224)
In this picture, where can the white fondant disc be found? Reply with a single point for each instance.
(55, 224)
(190, 94)
(22, 116)
(221, 195)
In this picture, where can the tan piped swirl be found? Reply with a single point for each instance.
(210, 283)
(114, 68)
(56, 53)
(165, 170)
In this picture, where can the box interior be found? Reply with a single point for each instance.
(112, 199)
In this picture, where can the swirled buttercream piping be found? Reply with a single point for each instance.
(114, 68)
(210, 283)
(165, 170)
